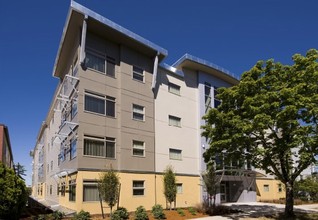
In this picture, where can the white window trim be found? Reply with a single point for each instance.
(143, 112)
(138, 148)
(180, 184)
(103, 97)
(106, 59)
(175, 149)
(174, 118)
(140, 74)
(173, 85)
(104, 139)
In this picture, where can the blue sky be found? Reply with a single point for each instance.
(230, 33)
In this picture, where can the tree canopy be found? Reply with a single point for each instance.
(13, 193)
(269, 119)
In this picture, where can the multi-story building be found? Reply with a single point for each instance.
(117, 105)
(6, 156)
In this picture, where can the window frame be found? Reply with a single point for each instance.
(216, 101)
(92, 184)
(174, 88)
(73, 153)
(176, 152)
(106, 102)
(266, 187)
(138, 113)
(178, 188)
(72, 191)
(176, 120)
(105, 141)
(136, 74)
(143, 148)
(138, 188)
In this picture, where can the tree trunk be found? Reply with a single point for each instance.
(289, 205)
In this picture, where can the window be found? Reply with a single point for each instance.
(63, 189)
(99, 147)
(266, 188)
(174, 121)
(217, 102)
(95, 61)
(138, 148)
(138, 112)
(110, 66)
(138, 188)
(74, 107)
(51, 190)
(104, 105)
(72, 191)
(138, 74)
(175, 154)
(280, 188)
(98, 62)
(179, 188)
(73, 146)
(207, 96)
(51, 165)
(110, 106)
(90, 191)
(47, 168)
(173, 88)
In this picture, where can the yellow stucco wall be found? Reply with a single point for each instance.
(153, 193)
(268, 189)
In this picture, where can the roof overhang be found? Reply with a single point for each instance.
(188, 61)
(104, 28)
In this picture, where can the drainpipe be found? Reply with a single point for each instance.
(154, 79)
(83, 42)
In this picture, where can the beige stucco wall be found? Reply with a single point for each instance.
(273, 193)
(153, 192)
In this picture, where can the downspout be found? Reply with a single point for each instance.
(154, 80)
(83, 42)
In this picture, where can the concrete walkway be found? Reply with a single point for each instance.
(257, 209)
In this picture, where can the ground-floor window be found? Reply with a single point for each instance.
(90, 191)
(138, 187)
(72, 191)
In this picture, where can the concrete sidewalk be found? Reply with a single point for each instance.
(257, 209)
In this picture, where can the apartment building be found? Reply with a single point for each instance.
(119, 106)
(6, 156)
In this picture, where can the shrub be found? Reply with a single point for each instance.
(120, 213)
(57, 215)
(192, 211)
(157, 212)
(180, 212)
(141, 213)
(82, 215)
(13, 193)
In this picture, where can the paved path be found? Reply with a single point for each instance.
(256, 209)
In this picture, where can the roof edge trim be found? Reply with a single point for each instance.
(204, 62)
(86, 11)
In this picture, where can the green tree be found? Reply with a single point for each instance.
(211, 181)
(20, 170)
(269, 119)
(13, 193)
(308, 185)
(170, 186)
(108, 185)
